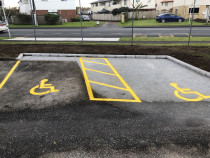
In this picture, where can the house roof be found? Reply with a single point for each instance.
(99, 1)
(163, 1)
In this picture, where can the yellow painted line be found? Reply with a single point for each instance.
(95, 62)
(100, 72)
(9, 74)
(124, 83)
(92, 58)
(111, 99)
(107, 85)
(87, 81)
(89, 89)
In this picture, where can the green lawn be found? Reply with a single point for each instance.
(68, 24)
(165, 39)
(2, 38)
(152, 22)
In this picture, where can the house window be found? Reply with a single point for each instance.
(125, 2)
(96, 4)
(102, 4)
(116, 2)
(109, 4)
(148, 1)
(176, 11)
(56, 13)
(137, 0)
(166, 4)
(196, 10)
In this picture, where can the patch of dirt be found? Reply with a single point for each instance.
(197, 56)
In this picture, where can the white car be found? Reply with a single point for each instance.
(86, 18)
(3, 26)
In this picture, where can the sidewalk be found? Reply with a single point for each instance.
(66, 39)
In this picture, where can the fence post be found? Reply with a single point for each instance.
(33, 9)
(81, 20)
(191, 22)
(132, 25)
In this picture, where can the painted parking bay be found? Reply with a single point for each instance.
(160, 84)
(155, 80)
(151, 80)
(40, 84)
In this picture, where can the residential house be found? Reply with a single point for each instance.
(109, 5)
(85, 11)
(164, 6)
(184, 8)
(66, 8)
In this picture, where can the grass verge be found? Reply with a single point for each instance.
(3, 38)
(68, 24)
(152, 22)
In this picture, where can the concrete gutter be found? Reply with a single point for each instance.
(119, 26)
(166, 26)
(48, 28)
(191, 67)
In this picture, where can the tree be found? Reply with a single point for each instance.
(9, 12)
(138, 7)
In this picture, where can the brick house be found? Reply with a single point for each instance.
(66, 8)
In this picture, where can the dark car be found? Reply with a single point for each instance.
(169, 18)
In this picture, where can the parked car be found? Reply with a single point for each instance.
(3, 26)
(85, 17)
(169, 18)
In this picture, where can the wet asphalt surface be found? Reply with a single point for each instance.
(68, 124)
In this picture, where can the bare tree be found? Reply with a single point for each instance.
(138, 7)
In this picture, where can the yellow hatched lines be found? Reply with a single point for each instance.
(115, 73)
(9, 74)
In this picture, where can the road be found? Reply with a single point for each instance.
(106, 32)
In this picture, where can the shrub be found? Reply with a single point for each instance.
(24, 19)
(51, 19)
(76, 19)
(120, 10)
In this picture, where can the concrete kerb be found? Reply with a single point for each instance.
(193, 68)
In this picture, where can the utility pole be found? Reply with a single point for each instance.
(191, 23)
(33, 11)
(5, 17)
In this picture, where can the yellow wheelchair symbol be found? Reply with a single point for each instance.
(43, 85)
(187, 91)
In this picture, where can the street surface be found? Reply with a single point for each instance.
(102, 107)
(113, 32)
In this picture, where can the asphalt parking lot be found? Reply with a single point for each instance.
(102, 107)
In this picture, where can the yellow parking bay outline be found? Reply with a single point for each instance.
(115, 73)
(9, 74)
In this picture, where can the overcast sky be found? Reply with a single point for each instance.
(14, 3)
